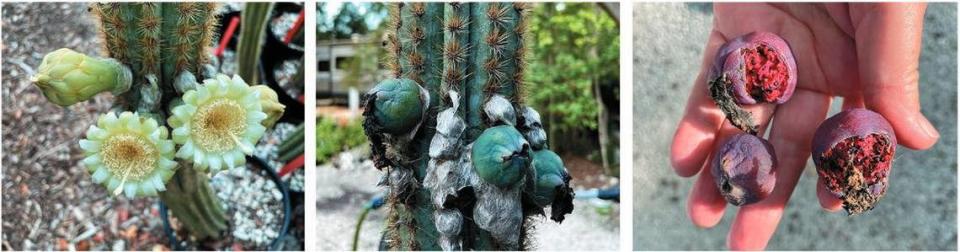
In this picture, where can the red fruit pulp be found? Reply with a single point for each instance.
(766, 74)
(873, 154)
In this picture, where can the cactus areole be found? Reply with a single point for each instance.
(449, 129)
(175, 120)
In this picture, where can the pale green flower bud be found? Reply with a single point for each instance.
(269, 102)
(67, 77)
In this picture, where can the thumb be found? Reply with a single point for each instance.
(888, 39)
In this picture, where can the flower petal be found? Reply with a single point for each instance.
(101, 175)
(130, 189)
(215, 162)
(157, 182)
(90, 146)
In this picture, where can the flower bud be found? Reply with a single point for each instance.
(270, 104)
(67, 77)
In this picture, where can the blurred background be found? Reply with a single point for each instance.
(573, 81)
(919, 211)
(50, 201)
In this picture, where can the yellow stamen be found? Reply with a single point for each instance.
(217, 124)
(130, 154)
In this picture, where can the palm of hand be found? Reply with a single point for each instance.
(867, 54)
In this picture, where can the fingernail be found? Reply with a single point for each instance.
(928, 128)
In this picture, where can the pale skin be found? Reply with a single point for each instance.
(866, 53)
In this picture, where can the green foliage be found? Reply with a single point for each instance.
(352, 18)
(332, 138)
(573, 46)
(365, 60)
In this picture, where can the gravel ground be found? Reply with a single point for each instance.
(65, 209)
(918, 212)
(591, 226)
(254, 204)
(49, 201)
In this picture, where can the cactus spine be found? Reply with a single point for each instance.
(467, 60)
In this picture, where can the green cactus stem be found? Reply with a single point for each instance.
(164, 44)
(255, 16)
(190, 197)
(459, 174)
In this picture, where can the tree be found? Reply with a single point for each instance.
(576, 51)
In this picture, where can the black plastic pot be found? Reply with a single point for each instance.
(287, 209)
(273, 53)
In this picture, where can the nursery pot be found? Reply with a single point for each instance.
(287, 208)
(273, 53)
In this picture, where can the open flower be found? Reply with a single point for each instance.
(129, 153)
(218, 123)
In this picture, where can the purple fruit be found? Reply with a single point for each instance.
(754, 68)
(853, 151)
(758, 67)
(745, 169)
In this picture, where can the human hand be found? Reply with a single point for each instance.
(866, 53)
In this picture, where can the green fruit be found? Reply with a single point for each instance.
(398, 105)
(550, 173)
(500, 155)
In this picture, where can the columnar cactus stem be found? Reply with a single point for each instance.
(161, 42)
(252, 33)
(460, 179)
(190, 197)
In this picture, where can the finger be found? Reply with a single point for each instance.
(854, 101)
(790, 136)
(827, 200)
(701, 120)
(888, 39)
(706, 205)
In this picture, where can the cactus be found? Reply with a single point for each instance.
(255, 16)
(174, 121)
(450, 130)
